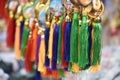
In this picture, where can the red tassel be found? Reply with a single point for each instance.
(2, 10)
(64, 64)
(28, 64)
(34, 37)
(9, 22)
(10, 35)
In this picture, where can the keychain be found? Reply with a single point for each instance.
(57, 38)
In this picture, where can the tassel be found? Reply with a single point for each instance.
(59, 41)
(51, 41)
(75, 68)
(21, 31)
(89, 46)
(41, 66)
(67, 42)
(64, 64)
(37, 50)
(28, 64)
(24, 40)
(38, 76)
(3, 12)
(46, 46)
(17, 40)
(61, 72)
(55, 75)
(96, 44)
(70, 67)
(74, 39)
(10, 35)
(55, 47)
(83, 57)
(96, 53)
(34, 36)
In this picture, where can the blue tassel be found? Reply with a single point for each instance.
(21, 31)
(89, 45)
(67, 42)
(55, 46)
(38, 77)
(37, 50)
(46, 46)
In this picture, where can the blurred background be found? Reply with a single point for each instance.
(12, 69)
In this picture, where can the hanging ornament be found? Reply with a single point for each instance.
(11, 24)
(58, 38)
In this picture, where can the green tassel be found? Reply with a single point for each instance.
(70, 67)
(24, 40)
(83, 57)
(59, 41)
(61, 72)
(96, 44)
(74, 39)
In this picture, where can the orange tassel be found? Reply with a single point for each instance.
(94, 69)
(34, 36)
(41, 62)
(17, 42)
(75, 68)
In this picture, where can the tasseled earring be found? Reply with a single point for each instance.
(74, 38)
(96, 52)
(59, 41)
(83, 55)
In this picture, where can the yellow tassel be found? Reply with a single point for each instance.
(51, 42)
(41, 62)
(75, 68)
(17, 42)
(94, 69)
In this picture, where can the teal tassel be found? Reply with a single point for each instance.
(24, 40)
(83, 57)
(59, 41)
(96, 44)
(74, 39)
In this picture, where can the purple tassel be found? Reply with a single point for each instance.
(67, 42)
(21, 31)
(46, 46)
(37, 50)
(55, 46)
(38, 77)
